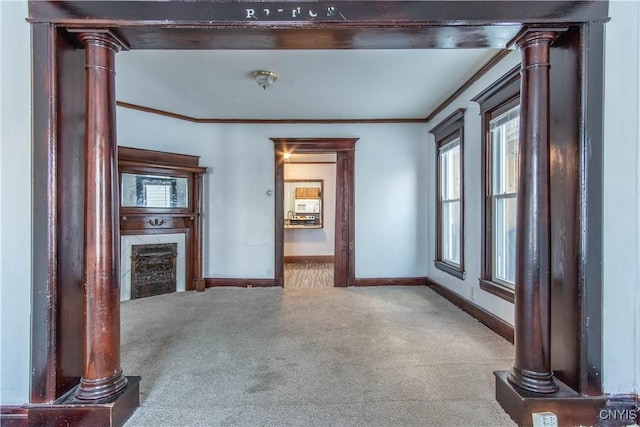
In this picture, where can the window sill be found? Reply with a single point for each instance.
(448, 268)
(498, 290)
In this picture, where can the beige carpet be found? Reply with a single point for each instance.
(308, 275)
(384, 356)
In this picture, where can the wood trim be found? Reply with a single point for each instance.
(207, 120)
(58, 114)
(213, 282)
(14, 416)
(156, 111)
(449, 125)
(112, 411)
(157, 158)
(590, 142)
(499, 97)
(375, 14)
(488, 319)
(501, 91)
(571, 408)
(497, 290)
(308, 259)
(446, 131)
(443, 266)
(289, 162)
(395, 281)
(187, 220)
(344, 254)
(495, 59)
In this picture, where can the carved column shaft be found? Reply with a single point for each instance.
(102, 375)
(532, 368)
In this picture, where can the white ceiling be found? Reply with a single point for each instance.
(313, 84)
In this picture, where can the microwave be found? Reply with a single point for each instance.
(307, 206)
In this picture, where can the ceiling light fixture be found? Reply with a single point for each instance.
(264, 78)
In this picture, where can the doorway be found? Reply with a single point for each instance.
(344, 240)
(309, 200)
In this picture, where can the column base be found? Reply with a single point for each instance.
(533, 381)
(68, 411)
(571, 408)
(92, 390)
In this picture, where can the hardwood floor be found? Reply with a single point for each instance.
(308, 275)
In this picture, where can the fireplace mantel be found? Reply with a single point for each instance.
(152, 203)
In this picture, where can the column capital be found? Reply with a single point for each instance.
(100, 37)
(532, 35)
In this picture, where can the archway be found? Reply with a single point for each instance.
(59, 115)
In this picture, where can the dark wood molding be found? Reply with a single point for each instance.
(58, 116)
(571, 408)
(491, 321)
(14, 416)
(314, 145)
(344, 251)
(145, 157)
(447, 268)
(136, 220)
(497, 98)
(498, 290)
(374, 14)
(213, 282)
(448, 130)
(589, 141)
(68, 411)
(156, 111)
(449, 124)
(567, 290)
(262, 121)
(308, 259)
(392, 281)
(289, 162)
(500, 92)
(495, 59)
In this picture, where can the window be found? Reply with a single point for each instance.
(503, 132)
(450, 199)
(500, 110)
(450, 191)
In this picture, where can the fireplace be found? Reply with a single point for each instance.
(153, 269)
(156, 261)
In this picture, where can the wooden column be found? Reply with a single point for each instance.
(532, 368)
(101, 374)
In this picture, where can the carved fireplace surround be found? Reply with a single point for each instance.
(174, 217)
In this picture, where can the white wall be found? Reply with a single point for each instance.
(239, 212)
(15, 193)
(469, 287)
(301, 242)
(621, 228)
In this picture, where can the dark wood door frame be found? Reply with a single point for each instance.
(344, 253)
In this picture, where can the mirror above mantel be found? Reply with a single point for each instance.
(303, 203)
